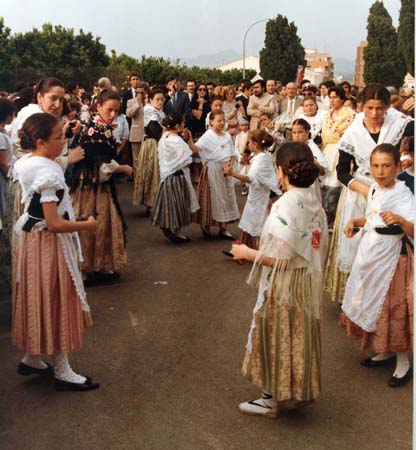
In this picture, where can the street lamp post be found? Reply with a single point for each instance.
(244, 45)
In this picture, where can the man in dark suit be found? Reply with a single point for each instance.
(134, 80)
(243, 96)
(176, 101)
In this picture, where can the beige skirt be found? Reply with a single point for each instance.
(147, 175)
(285, 358)
(335, 280)
(47, 315)
(104, 249)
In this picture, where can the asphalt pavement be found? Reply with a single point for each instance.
(167, 346)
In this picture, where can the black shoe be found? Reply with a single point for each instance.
(96, 278)
(383, 363)
(101, 276)
(224, 234)
(60, 385)
(228, 253)
(176, 238)
(398, 382)
(148, 212)
(207, 234)
(181, 239)
(24, 369)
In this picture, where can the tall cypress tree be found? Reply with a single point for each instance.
(384, 62)
(406, 33)
(283, 51)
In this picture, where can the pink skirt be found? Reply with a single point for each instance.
(47, 315)
(394, 332)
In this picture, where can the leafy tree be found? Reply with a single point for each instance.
(120, 67)
(58, 51)
(5, 60)
(384, 63)
(283, 51)
(405, 32)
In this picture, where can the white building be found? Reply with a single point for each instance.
(252, 62)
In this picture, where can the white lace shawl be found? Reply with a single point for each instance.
(357, 141)
(151, 113)
(174, 154)
(377, 256)
(44, 176)
(296, 226)
(215, 147)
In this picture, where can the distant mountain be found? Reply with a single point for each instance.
(344, 67)
(213, 60)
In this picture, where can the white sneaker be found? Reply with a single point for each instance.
(262, 407)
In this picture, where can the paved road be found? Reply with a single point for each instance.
(167, 347)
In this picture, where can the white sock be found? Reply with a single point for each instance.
(402, 364)
(63, 370)
(106, 271)
(382, 356)
(34, 361)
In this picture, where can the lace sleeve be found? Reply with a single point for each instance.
(46, 186)
(48, 194)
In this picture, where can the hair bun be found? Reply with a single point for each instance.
(26, 141)
(304, 171)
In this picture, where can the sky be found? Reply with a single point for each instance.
(189, 28)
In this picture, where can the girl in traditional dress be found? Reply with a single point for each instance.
(93, 192)
(49, 301)
(49, 97)
(147, 178)
(176, 200)
(378, 300)
(216, 196)
(336, 122)
(377, 124)
(283, 352)
(301, 133)
(262, 180)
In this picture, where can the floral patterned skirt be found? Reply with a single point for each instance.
(285, 357)
(104, 249)
(335, 280)
(147, 175)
